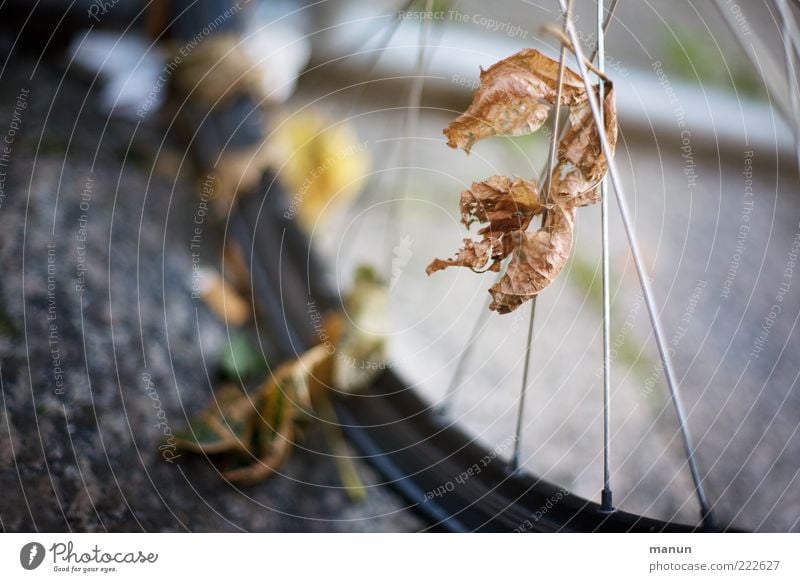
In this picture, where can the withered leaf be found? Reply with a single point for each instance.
(581, 164)
(226, 425)
(505, 205)
(272, 436)
(251, 435)
(281, 399)
(537, 259)
(474, 254)
(514, 98)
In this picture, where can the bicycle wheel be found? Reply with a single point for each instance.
(444, 424)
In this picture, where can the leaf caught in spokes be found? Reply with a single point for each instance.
(504, 206)
(581, 164)
(537, 259)
(514, 98)
(475, 254)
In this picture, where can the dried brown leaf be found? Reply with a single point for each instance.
(275, 429)
(505, 206)
(225, 425)
(581, 164)
(282, 398)
(253, 434)
(474, 254)
(514, 98)
(537, 260)
(480, 256)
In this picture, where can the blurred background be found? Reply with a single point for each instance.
(98, 190)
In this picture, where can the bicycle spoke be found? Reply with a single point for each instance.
(787, 29)
(791, 33)
(762, 59)
(551, 160)
(606, 497)
(643, 279)
(372, 64)
(551, 157)
(455, 382)
(601, 32)
(515, 455)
